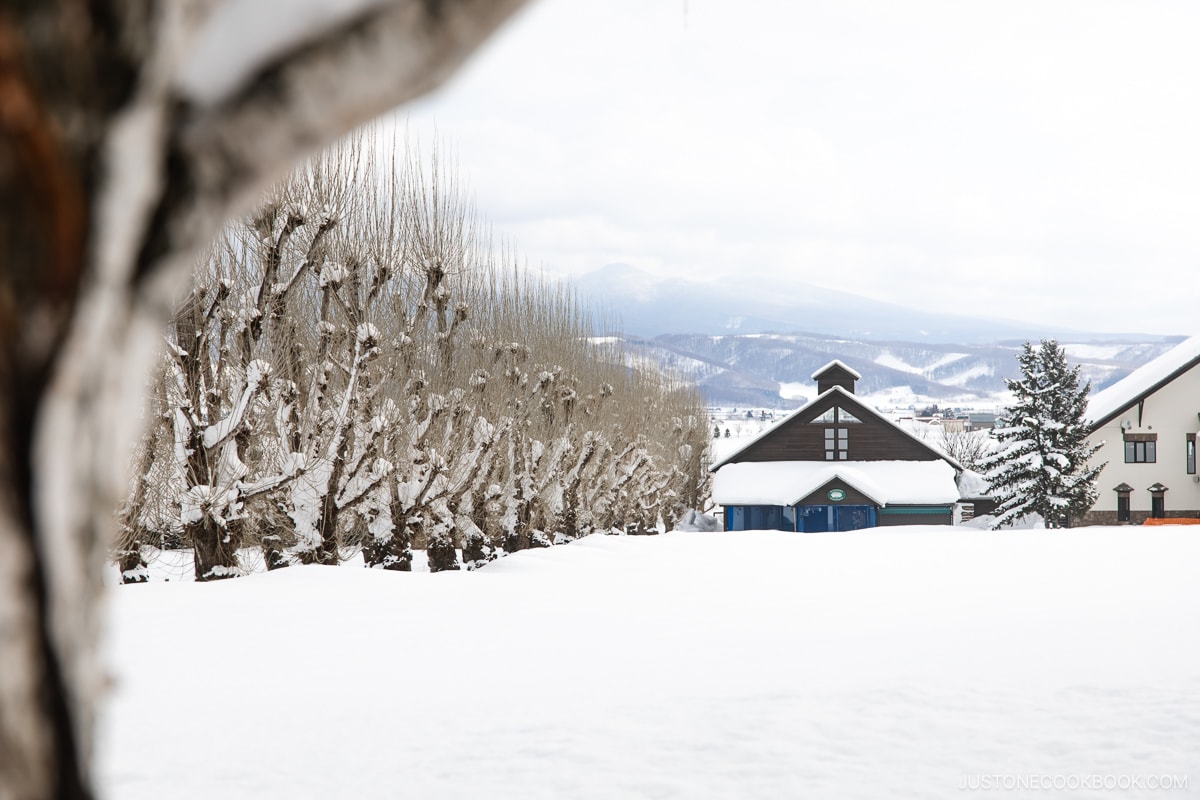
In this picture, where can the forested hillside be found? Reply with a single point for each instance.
(753, 369)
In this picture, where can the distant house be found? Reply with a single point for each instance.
(835, 464)
(980, 422)
(1148, 423)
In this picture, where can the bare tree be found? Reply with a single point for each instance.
(423, 389)
(966, 447)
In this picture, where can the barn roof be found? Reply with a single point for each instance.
(786, 483)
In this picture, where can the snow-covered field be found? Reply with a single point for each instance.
(883, 663)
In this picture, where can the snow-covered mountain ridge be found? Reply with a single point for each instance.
(747, 342)
(773, 370)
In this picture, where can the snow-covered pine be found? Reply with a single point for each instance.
(1041, 463)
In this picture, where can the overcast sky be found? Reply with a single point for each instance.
(1034, 160)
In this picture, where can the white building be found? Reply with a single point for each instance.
(1148, 422)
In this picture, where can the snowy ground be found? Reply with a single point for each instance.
(899, 663)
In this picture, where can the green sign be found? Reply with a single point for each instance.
(837, 495)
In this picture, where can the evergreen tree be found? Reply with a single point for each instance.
(1041, 464)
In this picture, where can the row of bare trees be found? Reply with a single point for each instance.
(357, 367)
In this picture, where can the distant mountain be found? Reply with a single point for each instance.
(773, 370)
(747, 343)
(650, 306)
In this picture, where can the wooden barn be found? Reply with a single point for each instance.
(835, 464)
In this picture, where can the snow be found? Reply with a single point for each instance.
(256, 372)
(307, 494)
(962, 378)
(242, 36)
(906, 397)
(959, 379)
(785, 483)
(972, 484)
(332, 274)
(366, 333)
(1138, 383)
(793, 390)
(892, 361)
(898, 663)
(836, 363)
(695, 521)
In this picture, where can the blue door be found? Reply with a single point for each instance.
(854, 518)
(814, 519)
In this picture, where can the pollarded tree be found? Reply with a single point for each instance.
(1041, 464)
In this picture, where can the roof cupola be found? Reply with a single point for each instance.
(835, 373)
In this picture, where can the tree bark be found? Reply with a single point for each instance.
(112, 179)
(394, 554)
(214, 548)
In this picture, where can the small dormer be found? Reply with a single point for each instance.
(835, 373)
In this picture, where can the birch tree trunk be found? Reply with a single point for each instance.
(119, 156)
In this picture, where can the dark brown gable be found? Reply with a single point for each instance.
(803, 437)
(850, 496)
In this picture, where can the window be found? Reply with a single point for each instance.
(1141, 448)
(837, 439)
(1140, 453)
(835, 415)
(1190, 448)
(837, 444)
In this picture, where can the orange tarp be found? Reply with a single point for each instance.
(1178, 521)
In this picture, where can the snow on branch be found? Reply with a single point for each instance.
(256, 374)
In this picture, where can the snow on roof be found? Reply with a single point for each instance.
(858, 402)
(836, 363)
(1143, 381)
(785, 483)
(972, 484)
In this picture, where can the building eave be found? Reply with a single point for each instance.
(1140, 396)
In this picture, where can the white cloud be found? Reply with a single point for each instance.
(1043, 154)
